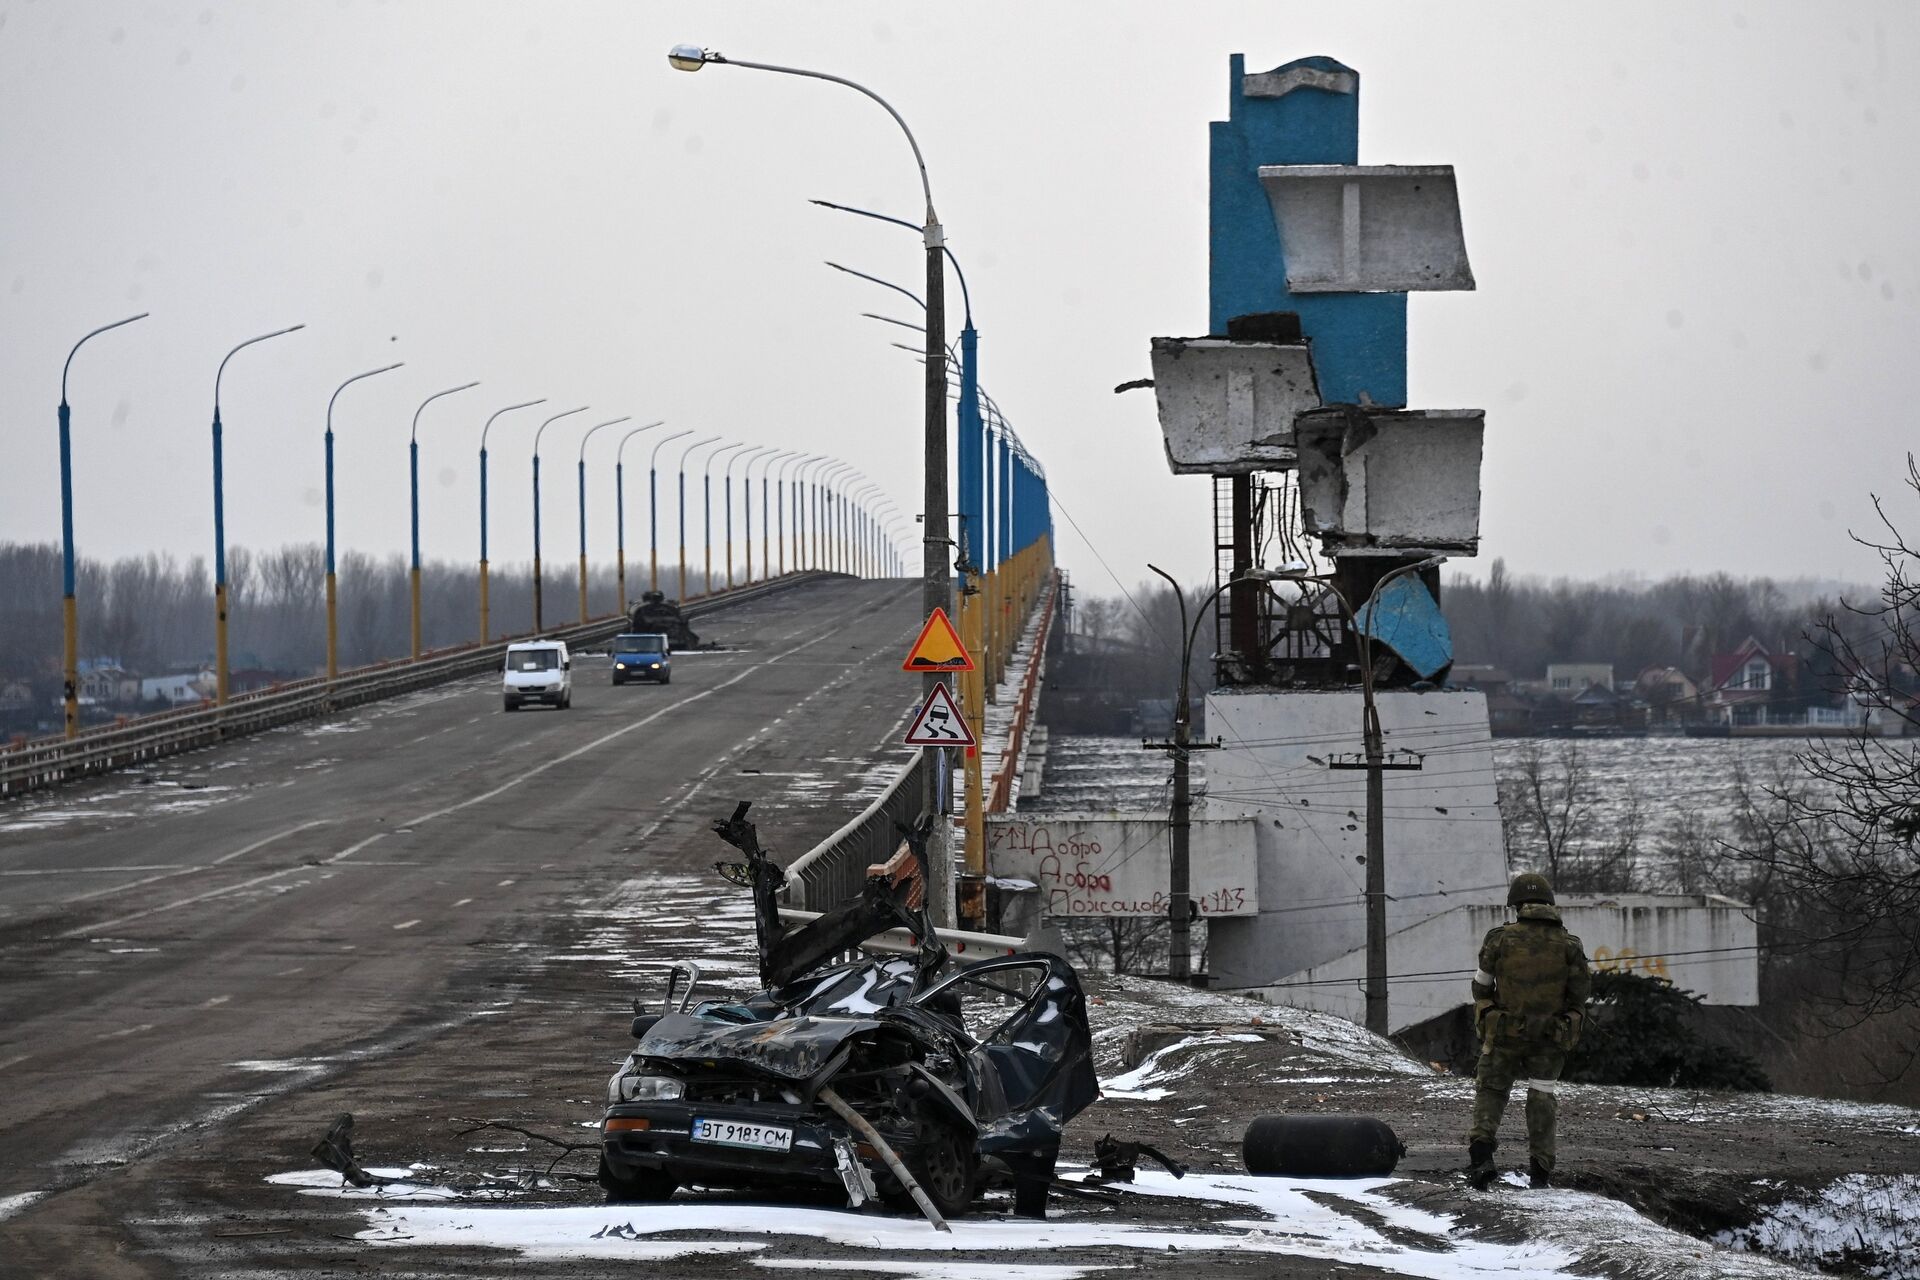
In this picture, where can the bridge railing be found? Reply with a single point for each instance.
(52, 761)
(834, 870)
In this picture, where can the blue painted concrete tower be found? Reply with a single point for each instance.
(1306, 112)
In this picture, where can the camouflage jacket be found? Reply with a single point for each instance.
(1533, 981)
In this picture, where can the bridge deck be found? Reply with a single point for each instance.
(331, 891)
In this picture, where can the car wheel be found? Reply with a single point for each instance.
(666, 679)
(512, 704)
(945, 1167)
(644, 1186)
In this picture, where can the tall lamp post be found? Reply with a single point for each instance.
(611, 422)
(1180, 911)
(220, 677)
(766, 509)
(485, 617)
(333, 593)
(653, 509)
(1377, 762)
(780, 485)
(937, 588)
(824, 503)
(69, 607)
(413, 487)
(539, 620)
(706, 512)
(620, 510)
(746, 501)
(684, 455)
(806, 512)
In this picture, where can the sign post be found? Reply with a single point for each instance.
(941, 724)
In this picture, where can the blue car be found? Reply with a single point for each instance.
(642, 655)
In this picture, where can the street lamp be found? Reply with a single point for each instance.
(937, 587)
(684, 455)
(1180, 909)
(780, 486)
(539, 620)
(706, 513)
(806, 495)
(1376, 763)
(620, 509)
(653, 509)
(70, 610)
(611, 422)
(333, 596)
(766, 508)
(746, 496)
(413, 483)
(484, 615)
(220, 524)
(826, 500)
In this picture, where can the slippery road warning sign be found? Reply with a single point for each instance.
(938, 648)
(939, 723)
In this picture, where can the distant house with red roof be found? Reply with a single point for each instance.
(1744, 682)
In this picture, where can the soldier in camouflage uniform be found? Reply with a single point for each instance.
(1529, 1001)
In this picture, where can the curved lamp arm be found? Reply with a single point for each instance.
(415, 433)
(524, 404)
(295, 328)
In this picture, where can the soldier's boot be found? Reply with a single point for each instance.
(1538, 1175)
(1480, 1169)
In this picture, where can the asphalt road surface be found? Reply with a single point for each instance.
(175, 943)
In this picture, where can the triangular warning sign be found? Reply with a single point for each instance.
(939, 723)
(938, 648)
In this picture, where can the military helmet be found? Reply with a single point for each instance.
(1529, 886)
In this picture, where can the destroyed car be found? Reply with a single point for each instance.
(902, 1077)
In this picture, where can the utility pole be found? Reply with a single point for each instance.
(1377, 762)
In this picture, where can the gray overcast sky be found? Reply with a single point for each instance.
(1692, 226)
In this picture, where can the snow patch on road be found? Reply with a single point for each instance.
(932, 1270)
(1294, 1217)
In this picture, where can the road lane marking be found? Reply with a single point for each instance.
(15, 1060)
(405, 925)
(216, 1002)
(261, 843)
(96, 930)
(504, 883)
(463, 902)
(124, 1031)
(81, 871)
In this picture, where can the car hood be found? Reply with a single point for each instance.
(792, 1048)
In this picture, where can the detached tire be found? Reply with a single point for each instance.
(1321, 1146)
(646, 1186)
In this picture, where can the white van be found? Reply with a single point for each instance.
(538, 671)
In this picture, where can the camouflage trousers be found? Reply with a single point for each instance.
(1535, 1064)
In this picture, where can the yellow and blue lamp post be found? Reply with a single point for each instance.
(69, 606)
(333, 593)
(485, 613)
(413, 489)
(220, 665)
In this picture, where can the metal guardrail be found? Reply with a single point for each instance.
(48, 762)
(999, 797)
(834, 870)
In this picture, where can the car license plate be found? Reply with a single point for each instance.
(732, 1133)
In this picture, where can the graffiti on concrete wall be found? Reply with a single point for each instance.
(1112, 865)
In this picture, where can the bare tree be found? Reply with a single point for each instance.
(1838, 857)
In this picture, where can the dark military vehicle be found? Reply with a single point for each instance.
(851, 1074)
(656, 613)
